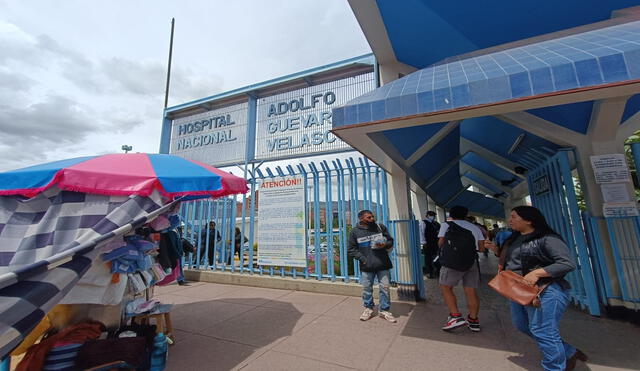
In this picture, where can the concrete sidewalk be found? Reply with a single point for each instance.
(227, 327)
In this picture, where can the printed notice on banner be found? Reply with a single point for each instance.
(610, 168)
(281, 223)
(619, 209)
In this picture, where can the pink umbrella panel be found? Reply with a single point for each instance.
(124, 174)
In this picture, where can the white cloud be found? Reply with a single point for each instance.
(82, 78)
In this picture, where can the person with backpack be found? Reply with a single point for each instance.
(370, 244)
(459, 241)
(429, 229)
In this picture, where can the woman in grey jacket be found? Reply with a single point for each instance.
(539, 254)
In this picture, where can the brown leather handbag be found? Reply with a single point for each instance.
(513, 286)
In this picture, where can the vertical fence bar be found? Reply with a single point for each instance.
(342, 221)
(303, 172)
(252, 219)
(200, 208)
(578, 233)
(329, 220)
(316, 220)
(353, 184)
(617, 259)
(595, 250)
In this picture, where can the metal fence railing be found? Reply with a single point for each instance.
(558, 202)
(334, 194)
(624, 239)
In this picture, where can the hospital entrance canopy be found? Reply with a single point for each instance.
(498, 88)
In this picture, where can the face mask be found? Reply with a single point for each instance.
(371, 224)
(431, 218)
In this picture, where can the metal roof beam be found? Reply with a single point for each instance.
(543, 128)
(505, 164)
(385, 145)
(456, 195)
(442, 171)
(432, 142)
(481, 187)
(464, 167)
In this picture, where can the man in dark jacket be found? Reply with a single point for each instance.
(208, 249)
(429, 229)
(370, 244)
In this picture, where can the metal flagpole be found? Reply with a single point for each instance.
(166, 92)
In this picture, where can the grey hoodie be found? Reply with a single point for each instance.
(371, 260)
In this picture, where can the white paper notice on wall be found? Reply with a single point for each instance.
(615, 192)
(611, 168)
(619, 209)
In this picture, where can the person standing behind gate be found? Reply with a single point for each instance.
(429, 228)
(214, 241)
(459, 240)
(538, 253)
(370, 244)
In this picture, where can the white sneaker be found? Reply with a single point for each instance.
(388, 316)
(367, 314)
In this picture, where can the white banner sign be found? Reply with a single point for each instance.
(281, 223)
(610, 168)
(299, 122)
(217, 137)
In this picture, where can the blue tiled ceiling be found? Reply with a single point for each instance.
(574, 116)
(452, 27)
(588, 59)
(633, 105)
(489, 168)
(411, 138)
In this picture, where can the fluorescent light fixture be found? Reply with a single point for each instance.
(516, 143)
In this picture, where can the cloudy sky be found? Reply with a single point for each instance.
(85, 77)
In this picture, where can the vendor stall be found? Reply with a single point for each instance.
(94, 231)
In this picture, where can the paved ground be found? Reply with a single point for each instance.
(227, 327)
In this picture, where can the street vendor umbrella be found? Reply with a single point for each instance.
(124, 175)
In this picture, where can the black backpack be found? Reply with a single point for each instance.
(459, 249)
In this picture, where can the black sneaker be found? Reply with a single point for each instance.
(474, 324)
(453, 322)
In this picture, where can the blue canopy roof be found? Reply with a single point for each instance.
(588, 59)
(451, 28)
(601, 57)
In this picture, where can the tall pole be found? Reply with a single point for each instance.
(166, 92)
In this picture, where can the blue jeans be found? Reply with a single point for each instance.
(366, 279)
(542, 325)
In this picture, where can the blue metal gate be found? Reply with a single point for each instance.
(552, 191)
(335, 192)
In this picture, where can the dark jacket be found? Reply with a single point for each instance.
(548, 252)
(431, 230)
(371, 260)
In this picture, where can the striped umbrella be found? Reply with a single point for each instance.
(124, 175)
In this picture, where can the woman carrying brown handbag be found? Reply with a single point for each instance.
(539, 254)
